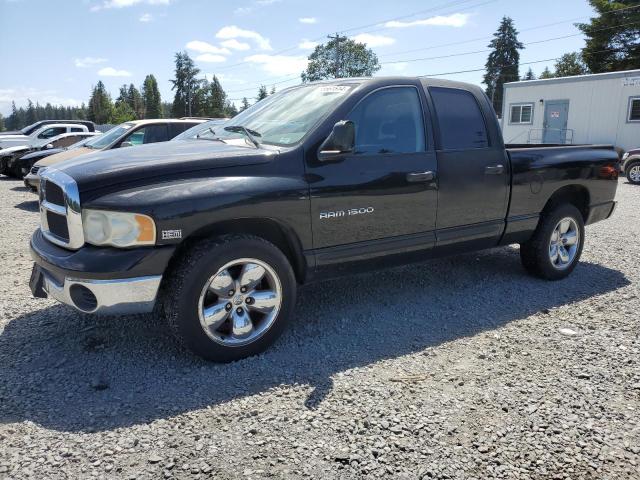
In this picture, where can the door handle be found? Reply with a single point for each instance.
(494, 170)
(420, 176)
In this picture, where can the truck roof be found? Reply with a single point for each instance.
(165, 120)
(426, 81)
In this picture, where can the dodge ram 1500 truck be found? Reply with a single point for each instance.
(318, 180)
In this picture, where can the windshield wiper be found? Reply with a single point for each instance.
(213, 139)
(250, 134)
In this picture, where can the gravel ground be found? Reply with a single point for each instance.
(461, 368)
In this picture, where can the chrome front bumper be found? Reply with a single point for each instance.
(105, 297)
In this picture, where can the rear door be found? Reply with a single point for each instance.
(383, 189)
(473, 172)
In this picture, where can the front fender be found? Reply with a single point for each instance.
(184, 206)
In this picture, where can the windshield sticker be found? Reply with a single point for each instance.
(334, 89)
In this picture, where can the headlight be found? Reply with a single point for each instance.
(625, 156)
(120, 229)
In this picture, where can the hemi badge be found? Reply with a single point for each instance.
(171, 234)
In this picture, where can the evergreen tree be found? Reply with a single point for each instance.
(273, 90)
(245, 104)
(122, 113)
(230, 110)
(546, 73)
(31, 113)
(21, 118)
(339, 58)
(218, 99)
(613, 36)
(1, 123)
(100, 105)
(570, 64)
(262, 93)
(529, 75)
(502, 64)
(135, 101)
(12, 121)
(185, 84)
(202, 100)
(166, 108)
(123, 95)
(151, 98)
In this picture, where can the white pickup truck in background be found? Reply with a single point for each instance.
(43, 133)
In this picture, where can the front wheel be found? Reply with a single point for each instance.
(633, 172)
(555, 248)
(230, 298)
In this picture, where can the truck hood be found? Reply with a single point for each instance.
(165, 159)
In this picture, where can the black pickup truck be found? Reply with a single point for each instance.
(319, 180)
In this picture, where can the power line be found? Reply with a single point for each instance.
(477, 39)
(439, 57)
(439, 7)
(489, 50)
(480, 69)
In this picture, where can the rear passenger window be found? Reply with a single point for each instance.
(76, 129)
(460, 119)
(389, 121)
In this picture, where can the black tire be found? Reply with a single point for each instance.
(535, 252)
(181, 293)
(630, 165)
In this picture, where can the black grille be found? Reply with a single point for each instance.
(57, 224)
(53, 194)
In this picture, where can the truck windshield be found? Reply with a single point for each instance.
(284, 118)
(109, 137)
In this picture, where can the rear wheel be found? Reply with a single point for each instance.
(230, 298)
(555, 248)
(633, 172)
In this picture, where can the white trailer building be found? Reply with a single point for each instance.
(600, 108)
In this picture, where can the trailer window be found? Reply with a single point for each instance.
(634, 109)
(521, 114)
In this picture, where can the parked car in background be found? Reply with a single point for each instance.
(316, 181)
(631, 165)
(43, 133)
(128, 134)
(11, 158)
(32, 158)
(29, 129)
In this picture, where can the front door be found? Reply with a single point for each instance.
(386, 187)
(556, 114)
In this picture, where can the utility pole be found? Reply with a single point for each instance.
(337, 60)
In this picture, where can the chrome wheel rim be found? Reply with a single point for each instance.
(634, 173)
(240, 302)
(564, 243)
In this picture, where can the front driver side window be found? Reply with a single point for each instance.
(389, 121)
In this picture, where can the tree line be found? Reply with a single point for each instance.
(612, 44)
(194, 97)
